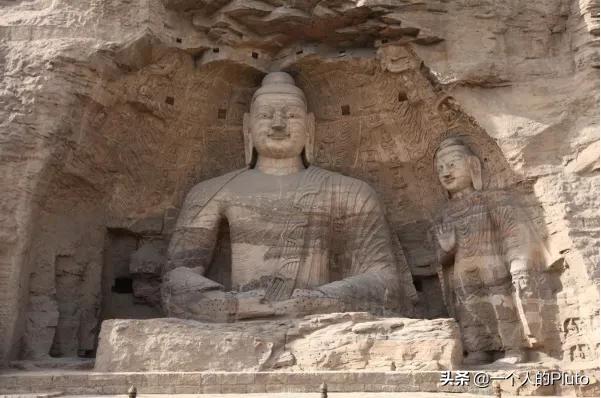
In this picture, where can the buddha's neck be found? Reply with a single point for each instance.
(279, 167)
(463, 193)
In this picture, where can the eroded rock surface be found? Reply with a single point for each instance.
(318, 342)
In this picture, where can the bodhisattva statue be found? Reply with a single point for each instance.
(492, 262)
(303, 240)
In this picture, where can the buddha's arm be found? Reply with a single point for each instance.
(195, 235)
(185, 292)
(371, 278)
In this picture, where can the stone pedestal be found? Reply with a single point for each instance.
(341, 341)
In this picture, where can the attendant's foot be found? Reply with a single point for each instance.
(512, 356)
(477, 358)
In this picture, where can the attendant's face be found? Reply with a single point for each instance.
(278, 125)
(453, 167)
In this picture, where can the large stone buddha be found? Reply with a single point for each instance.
(304, 240)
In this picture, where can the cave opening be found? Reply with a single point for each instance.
(118, 298)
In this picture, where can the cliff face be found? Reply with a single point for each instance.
(112, 110)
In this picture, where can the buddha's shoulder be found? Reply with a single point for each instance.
(207, 189)
(349, 183)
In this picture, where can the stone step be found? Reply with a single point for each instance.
(34, 395)
(87, 382)
(296, 395)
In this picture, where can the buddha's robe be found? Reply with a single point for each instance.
(314, 229)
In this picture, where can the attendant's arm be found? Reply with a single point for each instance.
(513, 232)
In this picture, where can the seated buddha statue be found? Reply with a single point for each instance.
(304, 240)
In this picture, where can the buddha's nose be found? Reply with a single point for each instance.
(277, 123)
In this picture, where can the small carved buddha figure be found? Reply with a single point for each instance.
(490, 260)
(304, 240)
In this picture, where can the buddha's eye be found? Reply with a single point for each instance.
(292, 115)
(263, 115)
(451, 165)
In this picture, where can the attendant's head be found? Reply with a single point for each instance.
(278, 125)
(458, 168)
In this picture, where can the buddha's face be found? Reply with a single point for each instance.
(278, 125)
(453, 167)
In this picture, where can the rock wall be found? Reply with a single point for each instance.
(112, 110)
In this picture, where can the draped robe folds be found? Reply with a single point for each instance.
(317, 230)
(491, 231)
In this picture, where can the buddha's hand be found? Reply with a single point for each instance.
(445, 233)
(185, 293)
(252, 304)
(306, 302)
(213, 306)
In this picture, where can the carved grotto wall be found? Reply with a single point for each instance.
(112, 111)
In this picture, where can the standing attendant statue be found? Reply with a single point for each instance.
(491, 261)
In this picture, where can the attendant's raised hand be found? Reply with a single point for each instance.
(445, 233)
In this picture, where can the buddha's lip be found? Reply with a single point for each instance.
(278, 136)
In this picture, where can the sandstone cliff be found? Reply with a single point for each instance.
(112, 110)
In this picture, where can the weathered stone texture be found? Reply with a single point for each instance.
(318, 342)
(112, 110)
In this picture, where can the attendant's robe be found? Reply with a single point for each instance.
(491, 231)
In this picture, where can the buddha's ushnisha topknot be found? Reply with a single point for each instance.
(277, 78)
(279, 83)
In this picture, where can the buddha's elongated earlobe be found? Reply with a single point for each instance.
(310, 143)
(475, 172)
(248, 141)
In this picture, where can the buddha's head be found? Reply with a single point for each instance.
(278, 125)
(458, 168)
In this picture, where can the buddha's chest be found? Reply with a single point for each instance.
(261, 203)
(260, 218)
(267, 232)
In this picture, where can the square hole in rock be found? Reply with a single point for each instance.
(345, 109)
(123, 285)
(221, 114)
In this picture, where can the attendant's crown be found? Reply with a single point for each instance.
(456, 142)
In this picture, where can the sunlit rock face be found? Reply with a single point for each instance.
(352, 340)
(113, 111)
